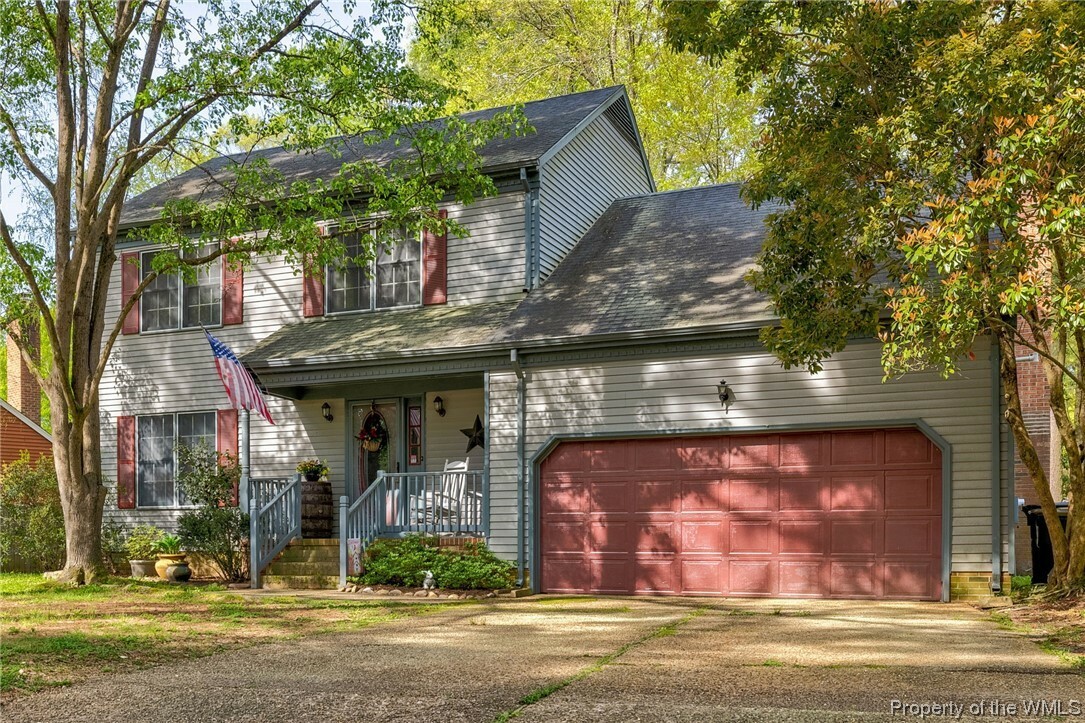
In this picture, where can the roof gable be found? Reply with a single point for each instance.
(24, 419)
(552, 118)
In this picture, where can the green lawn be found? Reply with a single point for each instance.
(52, 634)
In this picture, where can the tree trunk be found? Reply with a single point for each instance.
(77, 455)
(1067, 551)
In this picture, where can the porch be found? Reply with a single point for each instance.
(449, 503)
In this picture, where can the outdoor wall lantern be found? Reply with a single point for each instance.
(439, 406)
(326, 410)
(724, 391)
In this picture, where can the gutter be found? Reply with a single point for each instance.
(996, 470)
(521, 403)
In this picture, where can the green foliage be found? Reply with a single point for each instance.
(696, 127)
(928, 156)
(114, 544)
(31, 519)
(168, 545)
(217, 528)
(404, 562)
(142, 542)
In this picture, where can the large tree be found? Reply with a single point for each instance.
(696, 127)
(930, 155)
(96, 93)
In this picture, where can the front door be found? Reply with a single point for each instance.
(376, 441)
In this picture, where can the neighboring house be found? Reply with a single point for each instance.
(20, 414)
(587, 325)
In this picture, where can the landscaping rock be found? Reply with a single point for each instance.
(420, 593)
(432, 594)
(395, 592)
(367, 590)
(491, 594)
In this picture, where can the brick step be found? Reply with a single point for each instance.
(300, 582)
(285, 567)
(315, 542)
(310, 554)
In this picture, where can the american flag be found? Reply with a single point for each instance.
(240, 387)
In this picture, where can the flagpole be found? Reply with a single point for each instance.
(243, 456)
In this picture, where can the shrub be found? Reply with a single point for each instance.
(31, 520)
(113, 545)
(404, 562)
(168, 545)
(142, 543)
(216, 528)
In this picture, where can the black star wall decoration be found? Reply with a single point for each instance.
(476, 435)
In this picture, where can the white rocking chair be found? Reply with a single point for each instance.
(443, 507)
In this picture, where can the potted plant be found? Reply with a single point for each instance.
(141, 546)
(169, 553)
(312, 469)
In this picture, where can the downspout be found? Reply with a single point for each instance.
(521, 397)
(996, 470)
(529, 232)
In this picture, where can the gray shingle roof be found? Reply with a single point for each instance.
(663, 261)
(380, 334)
(552, 119)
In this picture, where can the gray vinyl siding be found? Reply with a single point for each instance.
(680, 394)
(487, 265)
(443, 439)
(580, 182)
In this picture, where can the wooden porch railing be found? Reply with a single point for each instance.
(274, 520)
(426, 503)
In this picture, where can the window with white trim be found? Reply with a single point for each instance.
(392, 279)
(157, 438)
(171, 302)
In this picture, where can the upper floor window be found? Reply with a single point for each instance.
(171, 302)
(157, 439)
(393, 278)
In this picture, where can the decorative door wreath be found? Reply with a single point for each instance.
(374, 434)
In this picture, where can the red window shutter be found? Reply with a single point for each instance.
(233, 292)
(227, 439)
(130, 273)
(435, 265)
(226, 428)
(312, 289)
(126, 463)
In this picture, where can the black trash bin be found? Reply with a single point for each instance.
(1043, 559)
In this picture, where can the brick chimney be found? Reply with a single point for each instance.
(24, 392)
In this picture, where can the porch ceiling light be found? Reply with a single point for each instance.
(439, 406)
(326, 411)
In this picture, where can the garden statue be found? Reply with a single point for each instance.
(428, 583)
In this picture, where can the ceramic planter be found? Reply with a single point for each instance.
(142, 568)
(178, 571)
(164, 561)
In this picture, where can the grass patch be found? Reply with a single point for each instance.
(54, 634)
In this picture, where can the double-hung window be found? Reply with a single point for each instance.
(157, 438)
(392, 279)
(171, 302)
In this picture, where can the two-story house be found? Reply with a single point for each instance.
(590, 350)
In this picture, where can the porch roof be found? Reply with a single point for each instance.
(387, 334)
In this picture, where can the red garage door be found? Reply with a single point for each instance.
(851, 514)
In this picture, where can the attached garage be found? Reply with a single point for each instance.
(838, 514)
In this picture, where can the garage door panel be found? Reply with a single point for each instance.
(905, 492)
(909, 579)
(703, 536)
(801, 578)
(703, 577)
(754, 452)
(656, 575)
(655, 496)
(852, 579)
(853, 537)
(802, 537)
(803, 493)
(752, 577)
(753, 495)
(702, 495)
(855, 492)
(752, 537)
(911, 536)
(657, 537)
(853, 514)
(612, 575)
(609, 535)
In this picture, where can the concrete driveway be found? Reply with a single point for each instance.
(578, 659)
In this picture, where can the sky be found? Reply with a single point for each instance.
(13, 200)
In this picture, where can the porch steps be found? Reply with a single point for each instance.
(305, 565)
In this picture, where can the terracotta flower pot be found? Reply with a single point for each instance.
(164, 561)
